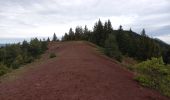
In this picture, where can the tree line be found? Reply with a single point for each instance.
(115, 43)
(121, 42)
(12, 56)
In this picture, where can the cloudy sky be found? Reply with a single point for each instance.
(23, 19)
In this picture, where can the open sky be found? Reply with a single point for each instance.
(23, 19)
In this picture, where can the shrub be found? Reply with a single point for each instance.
(15, 65)
(18, 61)
(3, 69)
(28, 59)
(143, 79)
(155, 74)
(52, 55)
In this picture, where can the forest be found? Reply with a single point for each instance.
(120, 42)
(12, 56)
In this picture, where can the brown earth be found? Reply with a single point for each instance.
(78, 72)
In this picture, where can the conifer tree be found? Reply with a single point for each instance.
(71, 34)
(78, 33)
(107, 29)
(110, 28)
(55, 37)
(86, 35)
(143, 33)
(98, 33)
(120, 28)
(48, 39)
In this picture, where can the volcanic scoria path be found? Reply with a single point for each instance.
(79, 72)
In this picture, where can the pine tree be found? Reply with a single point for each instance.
(143, 33)
(55, 37)
(85, 33)
(107, 29)
(98, 34)
(110, 28)
(48, 39)
(71, 35)
(120, 28)
(66, 37)
(78, 33)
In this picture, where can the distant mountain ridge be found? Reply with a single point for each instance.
(1, 45)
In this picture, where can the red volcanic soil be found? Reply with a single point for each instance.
(79, 72)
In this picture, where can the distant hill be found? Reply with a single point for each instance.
(2, 45)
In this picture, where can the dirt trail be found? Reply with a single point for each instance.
(78, 72)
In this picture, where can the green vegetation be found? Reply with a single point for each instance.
(3, 69)
(52, 55)
(12, 56)
(111, 48)
(154, 74)
(118, 43)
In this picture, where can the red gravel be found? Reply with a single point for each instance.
(78, 72)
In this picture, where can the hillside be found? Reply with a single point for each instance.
(79, 72)
(119, 42)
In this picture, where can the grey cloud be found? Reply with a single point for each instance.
(22, 15)
(163, 30)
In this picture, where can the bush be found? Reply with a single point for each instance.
(28, 59)
(17, 62)
(52, 55)
(155, 74)
(15, 65)
(3, 69)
